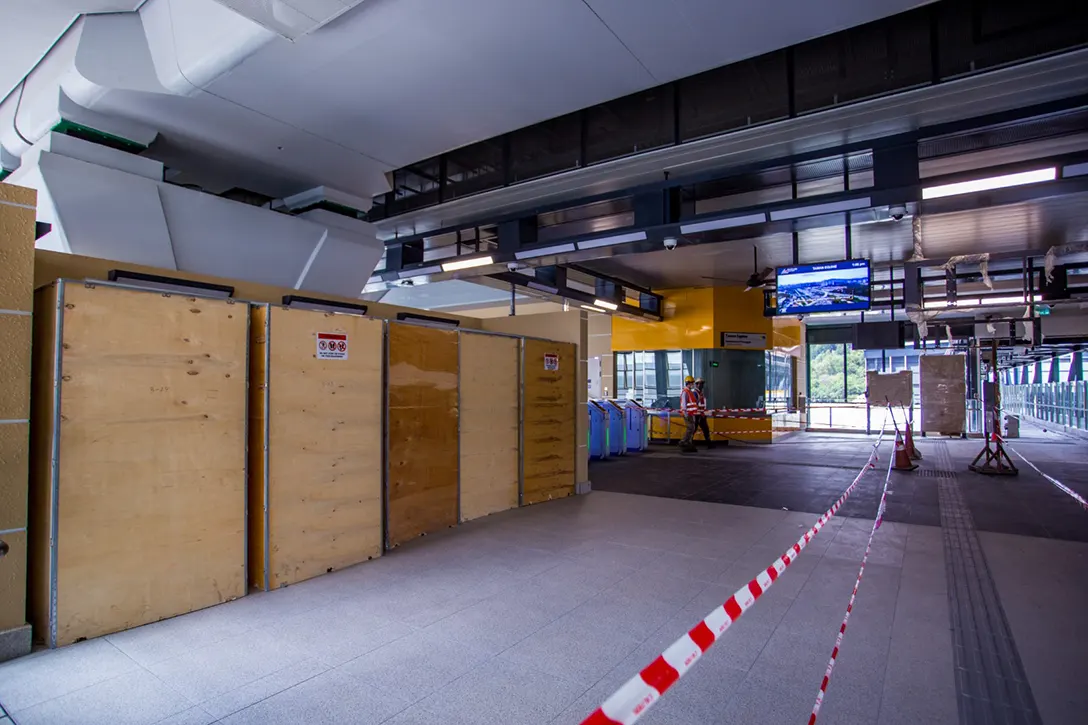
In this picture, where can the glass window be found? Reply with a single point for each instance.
(779, 380)
(825, 374)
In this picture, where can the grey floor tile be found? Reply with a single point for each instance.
(193, 716)
(771, 699)
(214, 670)
(48, 674)
(332, 698)
(498, 622)
(501, 691)
(413, 667)
(796, 657)
(254, 692)
(134, 698)
(670, 563)
(576, 647)
(419, 715)
(338, 633)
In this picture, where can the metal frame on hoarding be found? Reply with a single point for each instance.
(54, 464)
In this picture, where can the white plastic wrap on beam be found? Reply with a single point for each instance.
(105, 212)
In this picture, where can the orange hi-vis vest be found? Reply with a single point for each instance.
(689, 402)
(702, 402)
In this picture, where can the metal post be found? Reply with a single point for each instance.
(513, 298)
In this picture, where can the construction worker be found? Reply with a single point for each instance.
(689, 408)
(700, 384)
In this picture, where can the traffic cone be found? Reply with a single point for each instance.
(912, 451)
(902, 457)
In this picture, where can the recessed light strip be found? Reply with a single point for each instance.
(591, 308)
(990, 183)
(545, 251)
(831, 207)
(609, 241)
(726, 223)
(606, 304)
(466, 263)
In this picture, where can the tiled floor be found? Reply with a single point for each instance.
(536, 615)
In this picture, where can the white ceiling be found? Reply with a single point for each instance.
(391, 82)
(401, 80)
(38, 24)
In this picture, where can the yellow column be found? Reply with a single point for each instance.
(17, 218)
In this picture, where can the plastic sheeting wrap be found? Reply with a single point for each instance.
(944, 393)
(894, 388)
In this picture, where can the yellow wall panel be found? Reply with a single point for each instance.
(14, 471)
(688, 324)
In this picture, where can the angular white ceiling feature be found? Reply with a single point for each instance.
(291, 18)
(403, 80)
(679, 38)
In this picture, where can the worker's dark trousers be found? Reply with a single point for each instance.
(692, 423)
(702, 425)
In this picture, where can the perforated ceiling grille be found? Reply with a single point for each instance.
(1007, 135)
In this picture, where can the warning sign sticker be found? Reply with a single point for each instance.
(551, 361)
(332, 346)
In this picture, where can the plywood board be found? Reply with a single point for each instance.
(40, 499)
(257, 451)
(152, 458)
(894, 388)
(944, 393)
(422, 420)
(13, 581)
(549, 408)
(490, 427)
(325, 444)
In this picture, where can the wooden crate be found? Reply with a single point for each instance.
(489, 415)
(422, 431)
(549, 405)
(138, 458)
(315, 444)
(943, 386)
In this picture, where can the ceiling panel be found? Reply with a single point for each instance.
(401, 80)
(682, 37)
(39, 23)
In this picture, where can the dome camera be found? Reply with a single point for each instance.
(512, 266)
(670, 243)
(897, 212)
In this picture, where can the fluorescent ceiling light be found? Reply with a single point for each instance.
(466, 264)
(816, 209)
(419, 271)
(990, 182)
(727, 223)
(544, 251)
(1075, 170)
(609, 241)
(591, 308)
(606, 304)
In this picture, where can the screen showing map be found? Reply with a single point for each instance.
(830, 287)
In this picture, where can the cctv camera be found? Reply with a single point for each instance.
(897, 212)
(670, 243)
(512, 266)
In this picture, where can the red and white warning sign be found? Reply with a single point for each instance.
(551, 361)
(332, 346)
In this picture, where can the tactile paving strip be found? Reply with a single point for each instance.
(991, 684)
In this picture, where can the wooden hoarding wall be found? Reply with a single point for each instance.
(489, 415)
(323, 493)
(147, 498)
(549, 375)
(422, 431)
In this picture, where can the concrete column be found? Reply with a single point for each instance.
(600, 345)
(17, 216)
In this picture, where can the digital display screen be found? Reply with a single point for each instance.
(830, 287)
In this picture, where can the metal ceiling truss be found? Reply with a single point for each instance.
(869, 182)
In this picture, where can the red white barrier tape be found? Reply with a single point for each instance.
(633, 699)
(1061, 486)
(853, 595)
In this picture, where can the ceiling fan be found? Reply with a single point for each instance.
(757, 280)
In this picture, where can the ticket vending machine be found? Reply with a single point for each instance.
(598, 430)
